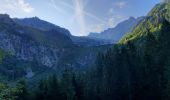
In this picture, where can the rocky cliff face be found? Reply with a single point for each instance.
(51, 48)
(27, 49)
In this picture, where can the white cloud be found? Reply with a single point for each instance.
(115, 19)
(111, 10)
(111, 22)
(97, 28)
(57, 6)
(25, 6)
(15, 6)
(79, 14)
(120, 4)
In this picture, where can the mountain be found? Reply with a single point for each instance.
(152, 24)
(30, 50)
(138, 66)
(135, 68)
(35, 22)
(115, 34)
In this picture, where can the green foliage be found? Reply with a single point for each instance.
(67, 87)
(22, 92)
(18, 92)
(13, 69)
(2, 55)
(137, 68)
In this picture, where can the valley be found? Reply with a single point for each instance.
(42, 61)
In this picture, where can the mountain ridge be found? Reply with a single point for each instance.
(138, 66)
(116, 33)
(151, 23)
(52, 49)
(35, 22)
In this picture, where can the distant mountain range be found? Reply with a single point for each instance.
(109, 36)
(41, 47)
(31, 46)
(115, 34)
(37, 23)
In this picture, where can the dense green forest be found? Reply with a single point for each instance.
(137, 68)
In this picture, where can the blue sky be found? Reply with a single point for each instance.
(79, 16)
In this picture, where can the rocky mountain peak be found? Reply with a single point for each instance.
(5, 18)
(131, 18)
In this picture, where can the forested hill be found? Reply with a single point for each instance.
(138, 67)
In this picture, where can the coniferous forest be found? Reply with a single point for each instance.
(135, 68)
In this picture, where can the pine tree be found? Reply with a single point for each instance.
(78, 89)
(22, 93)
(40, 92)
(67, 86)
(53, 88)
